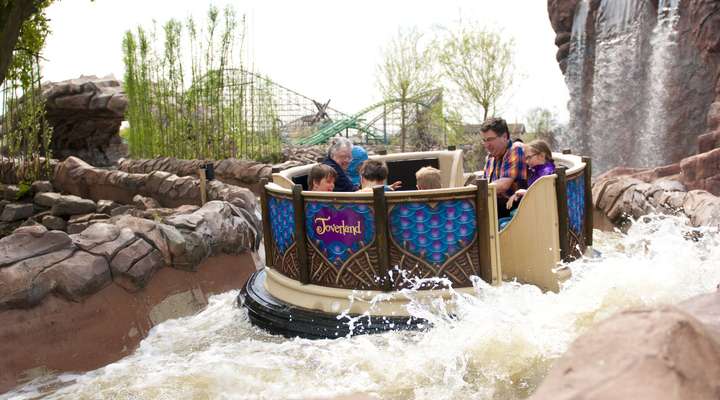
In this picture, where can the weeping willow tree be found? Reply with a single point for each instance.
(24, 132)
(191, 96)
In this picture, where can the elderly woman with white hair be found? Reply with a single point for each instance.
(339, 157)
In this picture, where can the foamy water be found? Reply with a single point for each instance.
(499, 345)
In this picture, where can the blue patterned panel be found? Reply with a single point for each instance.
(576, 202)
(339, 230)
(433, 232)
(282, 222)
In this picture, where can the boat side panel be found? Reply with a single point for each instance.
(529, 244)
(341, 247)
(435, 239)
(576, 212)
(282, 226)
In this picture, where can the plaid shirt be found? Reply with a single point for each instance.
(512, 166)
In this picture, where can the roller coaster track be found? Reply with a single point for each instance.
(359, 122)
(315, 122)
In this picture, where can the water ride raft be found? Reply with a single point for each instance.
(330, 256)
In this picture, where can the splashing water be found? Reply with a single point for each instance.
(499, 343)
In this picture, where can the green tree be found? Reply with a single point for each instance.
(22, 23)
(541, 123)
(406, 72)
(479, 62)
(24, 132)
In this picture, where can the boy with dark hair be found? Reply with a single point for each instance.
(372, 173)
(322, 178)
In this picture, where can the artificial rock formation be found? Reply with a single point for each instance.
(637, 122)
(127, 250)
(622, 197)
(668, 353)
(77, 177)
(86, 114)
(688, 115)
(231, 171)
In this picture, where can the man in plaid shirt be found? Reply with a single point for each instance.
(505, 164)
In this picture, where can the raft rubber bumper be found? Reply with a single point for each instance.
(280, 318)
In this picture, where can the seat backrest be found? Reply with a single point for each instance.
(404, 171)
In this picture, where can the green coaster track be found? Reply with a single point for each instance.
(365, 120)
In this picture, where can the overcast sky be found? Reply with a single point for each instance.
(323, 49)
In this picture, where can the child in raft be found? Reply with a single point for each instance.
(322, 178)
(373, 173)
(428, 178)
(540, 163)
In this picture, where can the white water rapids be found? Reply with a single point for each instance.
(500, 345)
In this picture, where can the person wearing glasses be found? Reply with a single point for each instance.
(540, 163)
(505, 164)
(338, 158)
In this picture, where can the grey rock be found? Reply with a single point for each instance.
(54, 223)
(111, 248)
(145, 203)
(87, 217)
(107, 206)
(30, 222)
(15, 212)
(71, 205)
(10, 192)
(148, 230)
(95, 235)
(77, 228)
(41, 187)
(196, 250)
(121, 210)
(46, 199)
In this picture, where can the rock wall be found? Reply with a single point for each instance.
(623, 197)
(231, 171)
(77, 177)
(62, 296)
(36, 263)
(86, 114)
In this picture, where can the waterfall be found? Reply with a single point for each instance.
(575, 79)
(655, 137)
(631, 104)
(618, 83)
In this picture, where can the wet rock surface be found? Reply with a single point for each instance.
(599, 41)
(661, 353)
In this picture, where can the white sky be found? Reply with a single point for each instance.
(324, 49)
